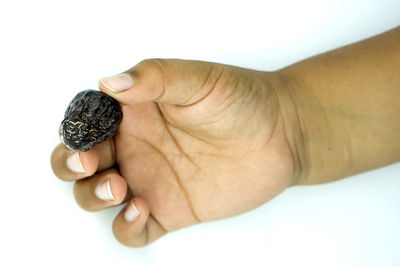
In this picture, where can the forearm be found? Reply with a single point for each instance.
(348, 105)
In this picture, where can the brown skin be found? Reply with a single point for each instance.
(202, 141)
(349, 102)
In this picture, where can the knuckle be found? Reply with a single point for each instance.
(154, 65)
(212, 74)
(155, 72)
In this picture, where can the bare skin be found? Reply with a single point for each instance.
(202, 141)
(349, 100)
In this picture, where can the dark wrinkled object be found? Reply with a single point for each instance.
(91, 118)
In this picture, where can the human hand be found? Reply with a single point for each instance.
(198, 142)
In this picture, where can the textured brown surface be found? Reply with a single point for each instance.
(91, 118)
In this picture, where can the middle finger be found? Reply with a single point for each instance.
(100, 191)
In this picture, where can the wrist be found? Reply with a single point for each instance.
(312, 137)
(292, 124)
(342, 131)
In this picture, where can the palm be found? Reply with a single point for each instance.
(199, 162)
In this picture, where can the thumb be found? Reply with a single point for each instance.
(171, 81)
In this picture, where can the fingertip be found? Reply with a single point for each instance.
(100, 191)
(105, 89)
(119, 188)
(69, 165)
(117, 83)
(90, 161)
(117, 86)
(142, 83)
(129, 226)
(135, 226)
(110, 187)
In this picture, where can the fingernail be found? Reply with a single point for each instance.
(103, 190)
(131, 212)
(74, 163)
(118, 82)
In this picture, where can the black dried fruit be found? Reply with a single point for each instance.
(91, 118)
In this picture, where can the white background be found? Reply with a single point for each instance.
(50, 50)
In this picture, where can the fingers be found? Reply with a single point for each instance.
(69, 165)
(100, 191)
(177, 82)
(135, 227)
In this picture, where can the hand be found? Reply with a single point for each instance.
(198, 142)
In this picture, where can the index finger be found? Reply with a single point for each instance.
(69, 165)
